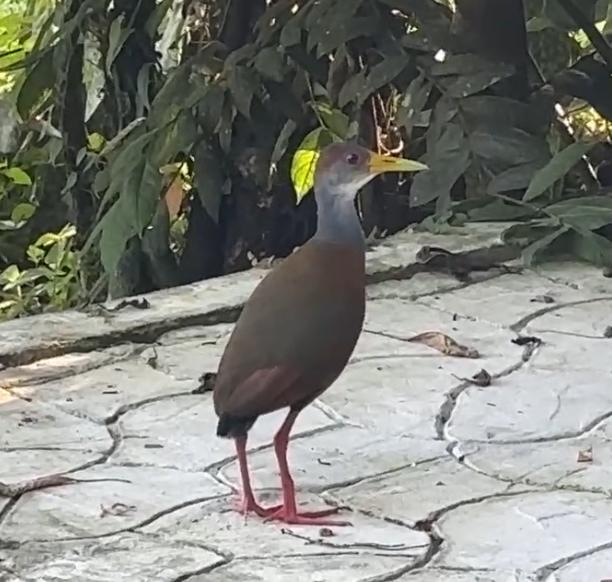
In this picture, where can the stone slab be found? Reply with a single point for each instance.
(442, 480)
(538, 529)
(126, 557)
(37, 440)
(413, 493)
(124, 499)
(191, 303)
(231, 533)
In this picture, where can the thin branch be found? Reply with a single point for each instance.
(44, 482)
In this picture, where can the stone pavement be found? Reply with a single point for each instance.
(110, 469)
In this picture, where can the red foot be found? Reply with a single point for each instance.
(246, 506)
(307, 517)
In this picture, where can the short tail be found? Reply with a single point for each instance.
(232, 427)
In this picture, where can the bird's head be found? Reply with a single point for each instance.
(344, 168)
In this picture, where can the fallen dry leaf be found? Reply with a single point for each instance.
(117, 508)
(445, 344)
(206, 383)
(482, 379)
(524, 340)
(543, 299)
(585, 456)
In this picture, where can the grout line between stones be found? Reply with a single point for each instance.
(585, 430)
(544, 572)
(524, 321)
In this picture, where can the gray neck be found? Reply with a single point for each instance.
(337, 219)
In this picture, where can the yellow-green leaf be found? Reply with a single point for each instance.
(305, 160)
(17, 176)
(10, 274)
(23, 211)
(96, 142)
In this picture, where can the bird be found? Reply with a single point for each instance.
(299, 327)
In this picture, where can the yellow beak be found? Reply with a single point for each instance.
(379, 164)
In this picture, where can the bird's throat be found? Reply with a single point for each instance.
(337, 220)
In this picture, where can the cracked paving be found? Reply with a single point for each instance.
(110, 470)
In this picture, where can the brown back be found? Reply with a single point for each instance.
(296, 332)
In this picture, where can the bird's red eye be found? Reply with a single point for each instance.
(352, 159)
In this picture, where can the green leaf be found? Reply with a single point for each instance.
(334, 119)
(586, 212)
(464, 75)
(114, 176)
(141, 194)
(497, 210)
(22, 212)
(270, 63)
(523, 235)
(434, 18)
(514, 178)
(210, 107)
(533, 252)
(492, 111)
(320, 9)
(117, 36)
(46, 240)
(209, 178)
(413, 101)
(291, 34)
(360, 86)
(282, 142)
(385, 71)
(273, 19)
(95, 142)
(554, 11)
(329, 37)
(556, 169)
(225, 126)
(17, 176)
(591, 247)
(305, 160)
(506, 147)
(538, 24)
(157, 17)
(117, 229)
(10, 274)
(355, 89)
(447, 162)
(36, 86)
(243, 85)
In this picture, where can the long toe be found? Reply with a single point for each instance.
(245, 507)
(320, 513)
(266, 512)
(308, 517)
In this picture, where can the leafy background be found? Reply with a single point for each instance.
(147, 144)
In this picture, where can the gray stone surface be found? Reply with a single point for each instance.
(110, 470)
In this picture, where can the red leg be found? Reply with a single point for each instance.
(288, 512)
(248, 503)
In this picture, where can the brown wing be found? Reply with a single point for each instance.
(295, 334)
